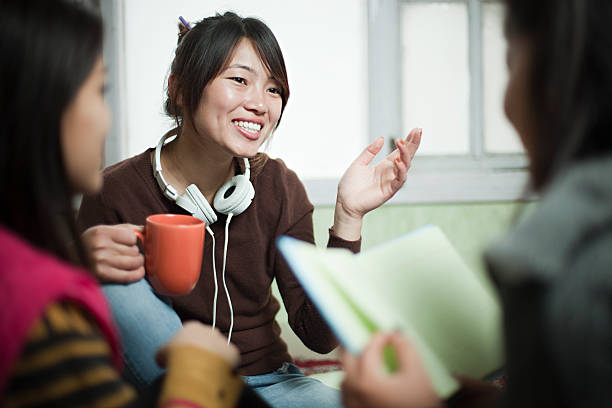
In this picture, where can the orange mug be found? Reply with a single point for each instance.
(173, 246)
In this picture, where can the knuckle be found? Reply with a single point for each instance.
(103, 273)
(98, 257)
(138, 260)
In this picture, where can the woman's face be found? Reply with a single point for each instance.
(517, 102)
(84, 126)
(239, 108)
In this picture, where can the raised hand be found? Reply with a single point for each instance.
(363, 188)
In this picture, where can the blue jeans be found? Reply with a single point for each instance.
(147, 322)
(287, 387)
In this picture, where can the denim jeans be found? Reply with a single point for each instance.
(146, 322)
(287, 387)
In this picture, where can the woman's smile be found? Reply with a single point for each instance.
(249, 128)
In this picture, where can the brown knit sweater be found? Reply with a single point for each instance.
(280, 207)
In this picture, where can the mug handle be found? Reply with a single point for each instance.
(140, 235)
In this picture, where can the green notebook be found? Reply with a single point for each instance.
(417, 284)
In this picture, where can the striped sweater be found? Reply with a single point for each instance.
(58, 347)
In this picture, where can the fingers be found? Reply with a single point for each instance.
(402, 156)
(205, 337)
(372, 356)
(349, 362)
(413, 141)
(404, 350)
(370, 152)
(400, 170)
(350, 387)
(406, 148)
(120, 259)
(114, 253)
(359, 387)
(121, 234)
(121, 238)
(107, 273)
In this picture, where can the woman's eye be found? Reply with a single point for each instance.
(239, 80)
(275, 91)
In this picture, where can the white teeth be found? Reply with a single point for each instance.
(249, 126)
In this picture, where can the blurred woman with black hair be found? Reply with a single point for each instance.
(58, 342)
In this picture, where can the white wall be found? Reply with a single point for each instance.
(325, 47)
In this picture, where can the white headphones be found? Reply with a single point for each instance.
(233, 197)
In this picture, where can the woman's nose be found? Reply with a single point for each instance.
(255, 102)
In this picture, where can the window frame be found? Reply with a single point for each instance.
(476, 177)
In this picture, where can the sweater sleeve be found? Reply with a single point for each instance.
(68, 362)
(337, 242)
(304, 318)
(197, 378)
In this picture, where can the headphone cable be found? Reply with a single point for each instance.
(229, 299)
(212, 234)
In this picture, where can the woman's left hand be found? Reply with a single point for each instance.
(363, 188)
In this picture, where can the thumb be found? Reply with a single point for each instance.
(349, 361)
(372, 356)
(370, 152)
(406, 352)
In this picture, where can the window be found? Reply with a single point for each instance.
(324, 126)
(358, 69)
(446, 72)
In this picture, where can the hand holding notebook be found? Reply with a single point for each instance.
(417, 284)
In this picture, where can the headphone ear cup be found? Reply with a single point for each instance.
(235, 196)
(205, 211)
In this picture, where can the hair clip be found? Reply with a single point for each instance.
(185, 23)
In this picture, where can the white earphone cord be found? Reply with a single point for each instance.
(229, 299)
(214, 322)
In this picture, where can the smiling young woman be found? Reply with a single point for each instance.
(227, 92)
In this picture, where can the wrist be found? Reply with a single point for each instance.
(347, 225)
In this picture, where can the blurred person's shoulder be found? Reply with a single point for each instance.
(571, 219)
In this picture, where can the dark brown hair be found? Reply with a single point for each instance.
(50, 48)
(571, 79)
(204, 52)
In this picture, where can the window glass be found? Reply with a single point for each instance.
(499, 135)
(325, 124)
(435, 75)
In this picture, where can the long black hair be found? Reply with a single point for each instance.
(571, 79)
(48, 49)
